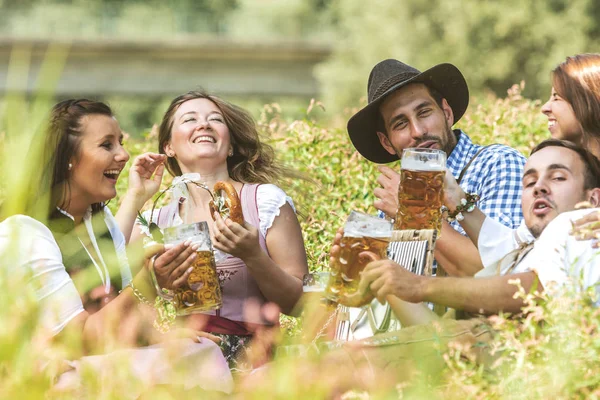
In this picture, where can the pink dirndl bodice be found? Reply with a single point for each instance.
(237, 283)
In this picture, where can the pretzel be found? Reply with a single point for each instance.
(227, 206)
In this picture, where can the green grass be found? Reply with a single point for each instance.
(553, 354)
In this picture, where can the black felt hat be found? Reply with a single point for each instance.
(390, 75)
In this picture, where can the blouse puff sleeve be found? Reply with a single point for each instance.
(270, 199)
(28, 247)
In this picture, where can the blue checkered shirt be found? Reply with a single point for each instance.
(495, 175)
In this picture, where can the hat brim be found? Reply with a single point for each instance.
(445, 78)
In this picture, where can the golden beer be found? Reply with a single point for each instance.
(420, 197)
(421, 190)
(202, 291)
(346, 269)
(362, 232)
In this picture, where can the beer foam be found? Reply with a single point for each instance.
(196, 233)
(422, 165)
(379, 228)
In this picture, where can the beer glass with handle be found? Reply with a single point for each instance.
(421, 189)
(362, 232)
(202, 291)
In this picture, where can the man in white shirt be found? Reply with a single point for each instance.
(557, 176)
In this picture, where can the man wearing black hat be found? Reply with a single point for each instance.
(409, 108)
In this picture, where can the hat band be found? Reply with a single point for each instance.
(391, 81)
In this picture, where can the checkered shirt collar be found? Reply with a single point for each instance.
(464, 150)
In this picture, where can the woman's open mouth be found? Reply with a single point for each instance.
(112, 174)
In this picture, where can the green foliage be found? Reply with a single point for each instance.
(280, 19)
(552, 353)
(113, 18)
(494, 43)
(532, 356)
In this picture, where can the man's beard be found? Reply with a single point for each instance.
(537, 228)
(447, 141)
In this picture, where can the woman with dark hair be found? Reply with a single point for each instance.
(573, 113)
(204, 135)
(573, 109)
(78, 244)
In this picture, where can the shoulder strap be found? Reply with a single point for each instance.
(166, 214)
(464, 170)
(249, 203)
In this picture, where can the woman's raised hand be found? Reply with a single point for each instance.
(146, 175)
(238, 240)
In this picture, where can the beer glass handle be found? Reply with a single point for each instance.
(162, 292)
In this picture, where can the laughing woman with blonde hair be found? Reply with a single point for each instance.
(213, 141)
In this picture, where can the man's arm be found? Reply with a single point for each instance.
(410, 314)
(502, 187)
(486, 295)
(456, 253)
(482, 295)
(500, 194)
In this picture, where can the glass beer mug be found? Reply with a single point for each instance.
(421, 189)
(362, 232)
(202, 291)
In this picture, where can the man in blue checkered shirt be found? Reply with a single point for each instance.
(409, 108)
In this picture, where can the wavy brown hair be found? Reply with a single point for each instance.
(577, 80)
(253, 161)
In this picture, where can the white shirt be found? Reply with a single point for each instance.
(559, 259)
(496, 241)
(28, 247)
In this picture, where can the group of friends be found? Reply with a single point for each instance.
(523, 226)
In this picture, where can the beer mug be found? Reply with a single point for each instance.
(362, 232)
(421, 189)
(202, 291)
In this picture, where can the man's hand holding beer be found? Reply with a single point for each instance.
(453, 193)
(381, 277)
(387, 194)
(387, 278)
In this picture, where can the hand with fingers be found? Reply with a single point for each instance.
(145, 175)
(334, 252)
(453, 193)
(587, 228)
(174, 266)
(387, 194)
(238, 240)
(386, 277)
